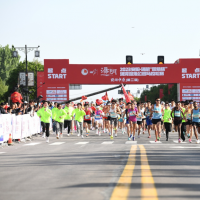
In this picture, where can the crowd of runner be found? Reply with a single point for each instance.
(131, 118)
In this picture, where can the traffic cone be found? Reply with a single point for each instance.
(10, 140)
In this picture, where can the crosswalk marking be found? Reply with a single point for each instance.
(106, 142)
(57, 143)
(176, 141)
(31, 144)
(82, 143)
(131, 142)
(153, 142)
(2, 152)
(180, 147)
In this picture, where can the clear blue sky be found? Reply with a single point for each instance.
(100, 32)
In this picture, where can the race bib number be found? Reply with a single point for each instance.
(98, 116)
(87, 116)
(132, 113)
(188, 116)
(196, 116)
(113, 115)
(177, 114)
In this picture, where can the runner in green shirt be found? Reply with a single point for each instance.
(45, 114)
(79, 115)
(68, 117)
(167, 120)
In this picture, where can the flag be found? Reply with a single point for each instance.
(99, 102)
(130, 96)
(125, 94)
(105, 97)
(84, 97)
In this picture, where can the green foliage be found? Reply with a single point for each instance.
(137, 99)
(14, 75)
(7, 62)
(3, 90)
(155, 90)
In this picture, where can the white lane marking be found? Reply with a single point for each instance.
(2, 152)
(176, 141)
(179, 147)
(31, 144)
(57, 143)
(131, 142)
(153, 142)
(82, 143)
(107, 142)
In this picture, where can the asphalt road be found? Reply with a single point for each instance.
(100, 168)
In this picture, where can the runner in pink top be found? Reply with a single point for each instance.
(132, 114)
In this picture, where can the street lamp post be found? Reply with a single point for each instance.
(26, 50)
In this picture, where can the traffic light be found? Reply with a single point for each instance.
(160, 59)
(129, 59)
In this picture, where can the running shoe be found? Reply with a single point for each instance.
(61, 135)
(158, 138)
(143, 132)
(78, 135)
(57, 136)
(99, 133)
(197, 141)
(115, 134)
(188, 135)
(190, 141)
(179, 140)
(149, 136)
(54, 133)
(129, 138)
(138, 136)
(68, 134)
(111, 137)
(109, 134)
(47, 139)
(133, 138)
(82, 136)
(166, 139)
(87, 135)
(43, 135)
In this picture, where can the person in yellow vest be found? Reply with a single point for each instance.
(68, 117)
(45, 114)
(167, 119)
(59, 118)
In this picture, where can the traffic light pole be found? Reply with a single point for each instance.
(26, 73)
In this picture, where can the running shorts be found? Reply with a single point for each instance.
(88, 121)
(139, 122)
(143, 119)
(113, 120)
(155, 121)
(149, 122)
(197, 124)
(120, 120)
(161, 122)
(177, 122)
(189, 122)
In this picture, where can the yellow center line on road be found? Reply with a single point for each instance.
(121, 191)
(148, 191)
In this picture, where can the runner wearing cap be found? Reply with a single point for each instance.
(98, 120)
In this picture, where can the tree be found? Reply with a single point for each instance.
(7, 62)
(155, 90)
(14, 75)
(3, 90)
